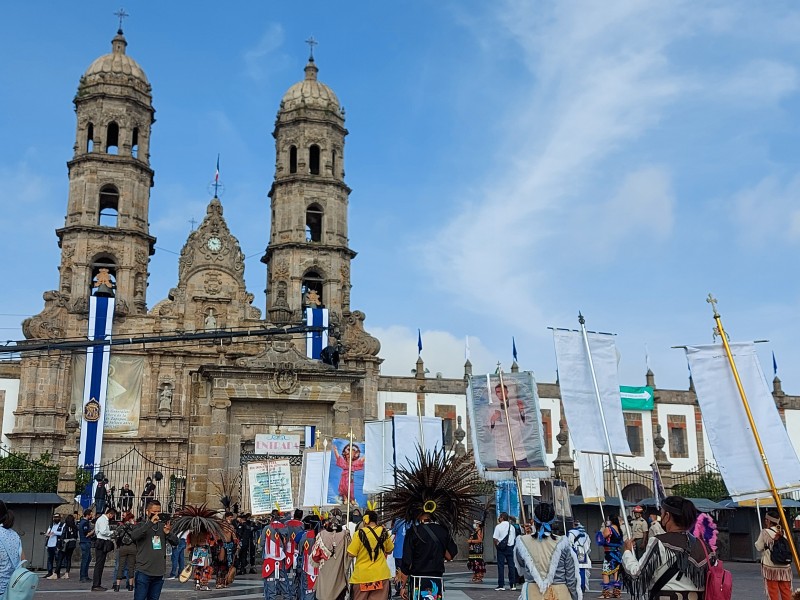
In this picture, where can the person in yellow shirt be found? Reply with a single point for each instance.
(370, 546)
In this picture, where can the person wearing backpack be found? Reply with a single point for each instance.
(776, 558)
(504, 537)
(16, 581)
(127, 551)
(674, 564)
(581, 546)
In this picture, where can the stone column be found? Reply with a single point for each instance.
(664, 466)
(218, 439)
(459, 449)
(68, 460)
(564, 464)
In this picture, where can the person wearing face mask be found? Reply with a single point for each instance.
(674, 564)
(52, 534)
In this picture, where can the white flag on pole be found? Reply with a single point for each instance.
(378, 456)
(728, 429)
(578, 393)
(590, 471)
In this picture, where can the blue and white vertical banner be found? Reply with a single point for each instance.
(507, 498)
(310, 436)
(101, 317)
(316, 340)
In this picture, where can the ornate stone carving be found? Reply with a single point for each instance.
(284, 379)
(141, 257)
(358, 342)
(281, 268)
(51, 322)
(212, 283)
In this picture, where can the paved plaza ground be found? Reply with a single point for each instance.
(747, 586)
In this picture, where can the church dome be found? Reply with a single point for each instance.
(310, 92)
(116, 63)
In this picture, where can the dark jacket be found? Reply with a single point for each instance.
(151, 547)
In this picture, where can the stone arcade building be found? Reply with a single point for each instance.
(200, 405)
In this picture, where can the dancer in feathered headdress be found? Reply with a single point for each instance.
(440, 493)
(206, 528)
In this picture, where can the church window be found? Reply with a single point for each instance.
(314, 223)
(312, 281)
(333, 163)
(135, 143)
(112, 138)
(104, 271)
(109, 206)
(293, 159)
(313, 159)
(678, 444)
(447, 413)
(90, 137)
(547, 430)
(634, 432)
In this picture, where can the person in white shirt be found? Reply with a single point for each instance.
(103, 546)
(504, 538)
(52, 534)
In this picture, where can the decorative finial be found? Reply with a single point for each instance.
(581, 319)
(121, 14)
(713, 302)
(311, 43)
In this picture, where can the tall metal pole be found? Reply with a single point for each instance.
(511, 445)
(611, 459)
(350, 484)
(787, 532)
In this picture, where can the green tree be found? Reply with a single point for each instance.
(707, 485)
(20, 473)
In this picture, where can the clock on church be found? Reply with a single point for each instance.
(214, 244)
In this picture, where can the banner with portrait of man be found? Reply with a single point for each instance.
(123, 393)
(506, 426)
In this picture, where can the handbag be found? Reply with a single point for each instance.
(186, 574)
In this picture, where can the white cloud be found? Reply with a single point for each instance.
(442, 352)
(769, 211)
(257, 59)
(760, 82)
(599, 78)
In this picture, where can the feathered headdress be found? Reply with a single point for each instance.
(706, 530)
(198, 518)
(445, 486)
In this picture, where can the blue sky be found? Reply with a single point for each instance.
(512, 162)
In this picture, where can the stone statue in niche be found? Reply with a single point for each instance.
(165, 399)
(211, 319)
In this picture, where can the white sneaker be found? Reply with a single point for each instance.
(499, 589)
(53, 576)
(66, 575)
(513, 588)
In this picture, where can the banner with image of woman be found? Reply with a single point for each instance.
(506, 425)
(346, 479)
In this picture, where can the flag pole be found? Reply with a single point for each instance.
(611, 459)
(773, 489)
(511, 445)
(350, 482)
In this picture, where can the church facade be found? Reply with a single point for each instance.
(196, 406)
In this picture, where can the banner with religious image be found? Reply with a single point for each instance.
(123, 393)
(506, 426)
(346, 478)
(270, 484)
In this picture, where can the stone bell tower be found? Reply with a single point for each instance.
(109, 183)
(308, 245)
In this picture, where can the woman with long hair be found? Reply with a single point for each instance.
(546, 561)
(67, 542)
(475, 562)
(10, 547)
(612, 558)
(675, 563)
(370, 546)
(330, 555)
(127, 551)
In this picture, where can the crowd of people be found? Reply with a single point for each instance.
(322, 557)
